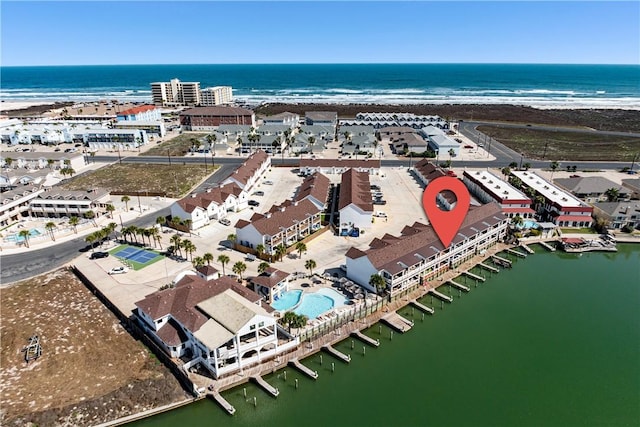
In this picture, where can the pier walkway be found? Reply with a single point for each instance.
(516, 253)
(397, 322)
(307, 371)
(488, 267)
(366, 339)
(527, 248)
(337, 353)
(459, 286)
(423, 307)
(474, 276)
(273, 391)
(502, 262)
(441, 296)
(222, 402)
(547, 246)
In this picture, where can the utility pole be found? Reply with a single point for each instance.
(169, 155)
(521, 157)
(544, 153)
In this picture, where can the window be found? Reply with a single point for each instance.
(252, 327)
(261, 324)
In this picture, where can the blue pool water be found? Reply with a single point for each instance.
(528, 224)
(313, 305)
(287, 300)
(17, 238)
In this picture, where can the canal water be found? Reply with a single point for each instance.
(555, 341)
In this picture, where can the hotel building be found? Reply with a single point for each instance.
(217, 95)
(175, 93)
(487, 187)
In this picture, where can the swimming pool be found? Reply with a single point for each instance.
(528, 224)
(287, 300)
(34, 232)
(310, 304)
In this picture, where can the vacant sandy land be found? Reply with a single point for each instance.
(91, 369)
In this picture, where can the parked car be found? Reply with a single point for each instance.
(258, 193)
(268, 182)
(379, 202)
(253, 203)
(224, 221)
(119, 270)
(98, 255)
(375, 187)
(381, 214)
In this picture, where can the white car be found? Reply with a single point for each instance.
(118, 270)
(268, 182)
(381, 214)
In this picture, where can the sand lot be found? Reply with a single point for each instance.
(91, 370)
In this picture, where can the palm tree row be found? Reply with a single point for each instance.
(179, 244)
(101, 235)
(152, 233)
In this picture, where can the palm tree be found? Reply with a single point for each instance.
(154, 233)
(189, 247)
(125, 199)
(188, 223)
(50, 226)
(260, 250)
(263, 267)
(301, 247)
(554, 165)
(281, 250)
(197, 262)
(207, 257)
(232, 238)
(161, 220)
(224, 260)
(111, 227)
(506, 171)
(452, 154)
(612, 194)
(90, 215)
(513, 165)
(176, 241)
(110, 208)
(91, 239)
(526, 166)
(378, 282)
(50, 163)
(25, 236)
(73, 221)
(517, 221)
(8, 161)
(310, 265)
(239, 268)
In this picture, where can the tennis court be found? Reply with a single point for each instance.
(135, 257)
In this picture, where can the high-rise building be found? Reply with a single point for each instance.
(175, 93)
(217, 95)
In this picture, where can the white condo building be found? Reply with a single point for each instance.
(175, 93)
(217, 95)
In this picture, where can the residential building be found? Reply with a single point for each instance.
(338, 166)
(315, 188)
(212, 204)
(288, 119)
(218, 324)
(381, 120)
(619, 214)
(217, 95)
(488, 187)
(426, 171)
(271, 284)
(417, 255)
(34, 160)
(283, 224)
(329, 118)
(210, 118)
(12, 178)
(634, 186)
(558, 206)
(55, 203)
(250, 171)
(355, 204)
(175, 93)
(14, 203)
(115, 139)
(145, 113)
(439, 142)
(592, 189)
(151, 128)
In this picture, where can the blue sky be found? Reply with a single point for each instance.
(149, 32)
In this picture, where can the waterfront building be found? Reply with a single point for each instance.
(488, 187)
(355, 203)
(115, 139)
(381, 120)
(283, 224)
(55, 203)
(291, 120)
(619, 214)
(217, 324)
(592, 189)
(559, 206)
(417, 255)
(146, 113)
(175, 93)
(338, 166)
(217, 95)
(271, 284)
(14, 203)
(210, 118)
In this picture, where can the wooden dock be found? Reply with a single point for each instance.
(527, 249)
(474, 276)
(307, 371)
(502, 262)
(440, 296)
(488, 267)
(340, 355)
(222, 402)
(422, 307)
(273, 391)
(397, 322)
(547, 246)
(458, 286)
(516, 253)
(366, 339)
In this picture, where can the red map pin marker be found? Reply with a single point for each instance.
(446, 223)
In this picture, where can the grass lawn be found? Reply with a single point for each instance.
(584, 230)
(174, 180)
(568, 146)
(134, 264)
(178, 146)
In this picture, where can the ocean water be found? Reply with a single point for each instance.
(551, 342)
(545, 86)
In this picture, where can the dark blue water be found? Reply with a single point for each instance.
(542, 85)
